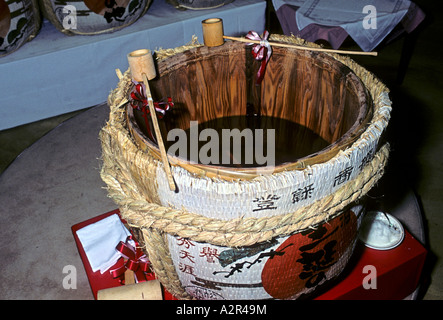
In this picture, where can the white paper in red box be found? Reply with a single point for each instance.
(99, 241)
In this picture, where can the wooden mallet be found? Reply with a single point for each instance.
(148, 290)
(142, 68)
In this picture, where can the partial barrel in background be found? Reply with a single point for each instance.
(90, 17)
(20, 22)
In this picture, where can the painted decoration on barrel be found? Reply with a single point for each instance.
(110, 9)
(93, 16)
(283, 268)
(308, 256)
(5, 20)
(19, 22)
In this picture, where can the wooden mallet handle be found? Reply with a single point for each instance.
(148, 290)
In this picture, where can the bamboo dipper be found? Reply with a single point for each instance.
(142, 68)
(213, 36)
(212, 32)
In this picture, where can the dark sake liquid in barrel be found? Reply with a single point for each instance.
(291, 142)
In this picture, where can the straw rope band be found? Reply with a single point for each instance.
(249, 231)
(157, 249)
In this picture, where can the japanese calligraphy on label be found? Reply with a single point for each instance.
(283, 268)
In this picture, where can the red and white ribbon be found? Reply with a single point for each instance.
(136, 261)
(261, 52)
(140, 102)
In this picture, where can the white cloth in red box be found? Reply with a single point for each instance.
(99, 241)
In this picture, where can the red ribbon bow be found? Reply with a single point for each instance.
(137, 261)
(259, 51)
(140, 102)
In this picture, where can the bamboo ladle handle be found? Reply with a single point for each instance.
(158, 134)
(142, 68)
(213, 37)
(287, 45)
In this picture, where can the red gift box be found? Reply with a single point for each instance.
(370, 275)
(97, 280)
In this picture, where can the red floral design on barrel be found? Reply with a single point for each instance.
(308, 256)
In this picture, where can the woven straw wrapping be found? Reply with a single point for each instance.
(130, 176)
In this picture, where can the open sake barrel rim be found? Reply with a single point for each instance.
(232, 173)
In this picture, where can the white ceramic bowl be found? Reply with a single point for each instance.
(381, 231)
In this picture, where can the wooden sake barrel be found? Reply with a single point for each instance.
(89, 17)
(250, 233)
(307, 88)
(19, 22)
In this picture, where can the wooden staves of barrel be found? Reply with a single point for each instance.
(20, 22)
(249, 232)
(90, 17)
